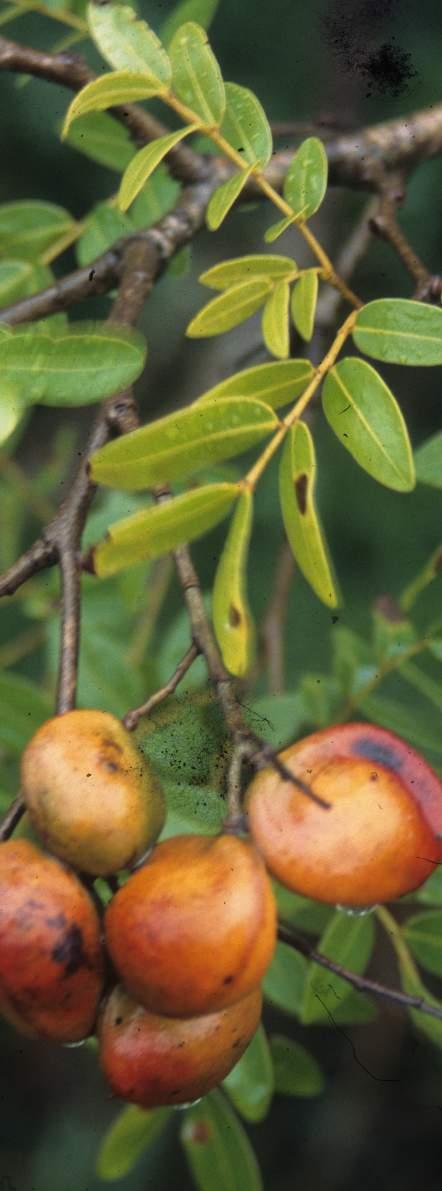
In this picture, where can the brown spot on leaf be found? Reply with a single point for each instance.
(234, 616)
(301, 485)
(200, 1132)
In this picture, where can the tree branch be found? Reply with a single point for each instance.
(131, 719)
(361, 983)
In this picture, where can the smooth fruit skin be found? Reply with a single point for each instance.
(90, 794)
(378, 840)
(51, 958)
(194, 929)
(152, 1060)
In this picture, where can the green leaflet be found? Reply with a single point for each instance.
(181, 443)
(19, 279)
(276, 229)
(428, 460)
(217, 1148)
(368, 421)
(305, 182)
(349, 942)
(223, 199)
(29, 228)
(423, 933)
(74, 367)
(400, 331)
(196, 77)
(119, 86)
(284, 981)
(250, 1084)
(12, 409)
(232, 307)
(127, 43)
(202, 11)
(145, 162)
(102, 139)
(242, 268)
(275, 321)
(245, 126)
(232, 621)
(297, 494)
(132, 1131)
(303, 303)
(159, 529)
(302, 912)
(296, 1072)
(431, 892)
(276, 383)
(102, 227)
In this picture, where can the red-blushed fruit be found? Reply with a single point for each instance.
(194, 929)
(152, 1060)
(51, 958)
(381, 837)
(90, 795)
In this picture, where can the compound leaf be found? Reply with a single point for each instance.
(305, 182)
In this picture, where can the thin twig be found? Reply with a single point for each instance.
(131, 719)
(384, 223)
(361, 983)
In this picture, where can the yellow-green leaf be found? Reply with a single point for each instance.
(275, 321)
(127, 43)
(145, 162)
(245, 126)
(297, 479)
(242, 268)
(276, 229)
(428, 459)
(305, 182)
(12, 409)
(232, 621)
(160, 528)
(218, 1150)
(196, 77)
(130, 1134)
(276, 383)
(182, 443)
(368, 421)
(223, 199)
(28, 228)
(119, 86)
(303, 303)
(74, 367)
(229, 309)
(202, 11)
(250, 1083)
(400, 331)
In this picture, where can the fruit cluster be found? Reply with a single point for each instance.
(169, 977)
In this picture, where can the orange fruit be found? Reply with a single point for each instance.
(381, 837)
(153, 1060)
(194, 929)
(51, 960)
(89, 792)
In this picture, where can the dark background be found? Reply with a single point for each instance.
(379, 1122)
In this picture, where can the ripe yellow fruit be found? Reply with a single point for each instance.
(89, 792)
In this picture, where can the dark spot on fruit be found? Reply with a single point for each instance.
(384, 754)
(69, 951)
(58, 921)
(228, 980)
(301, 485)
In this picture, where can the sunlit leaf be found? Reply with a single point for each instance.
(284, 981)
(74, 367)
(245, 126)
(349, 942)
(182, 443)
(275, 321)
(303, 529)
(130, 1134)
(243, 268)
(276, 229)
(222, 201)
(423, 933)
(250, 1083)
(229, 309)
(400, 331)
(232, 620)
(144, 163)
(196, 77)
(303, 303)
(102, 139)
(156, 198)
(201, 11)
(296, 1071)
(159, 529)
(276, 383)
(428, 460)
(368, 421)
(217, 1148)
(305, 182)
(117, 87)
(28, 228)
(12, 409)
(127, 43)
